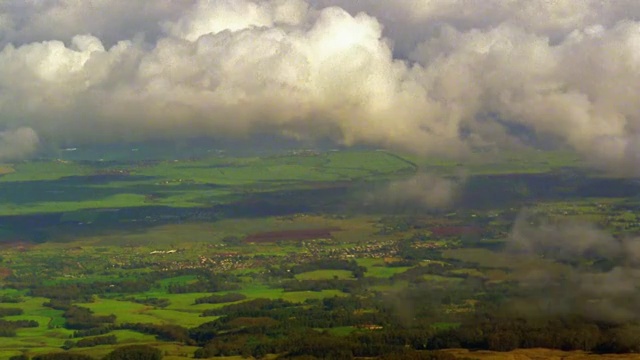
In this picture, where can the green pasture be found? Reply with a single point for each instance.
(485, 258)
(379, 269)
(248, 226)
(113, 201)
(196, 236)
(182, 309)
(125, 311)
(391, 287)
(33, 306)
(40, 339)
(178, 280)
(445, 325)
(11, 293)
(504, 162)
(326, 275)
(182, 318)
(184, 312)
(385, 271)
(66, 186)
(44, 170)
(342, 330)
(261, 291)
(116, 251)
(130, 312)
(6, 354)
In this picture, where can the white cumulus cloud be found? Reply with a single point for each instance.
(432, 77)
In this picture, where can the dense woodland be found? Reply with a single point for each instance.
(261, 326)
(411, 323)
(131, 352)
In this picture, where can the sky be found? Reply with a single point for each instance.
(432, 77)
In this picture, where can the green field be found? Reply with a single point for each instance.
(54, 186)
(325, 274)
(239, 257)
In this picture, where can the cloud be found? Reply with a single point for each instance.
(28, 21)
(301, 83)
(419, 192)
(212, 17)
(17, 144)
(562, 240)
(601, 276)
(436, 77)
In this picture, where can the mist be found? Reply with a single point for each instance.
(432, 78)
(17, 144)
(421, 192)
(600, 276)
